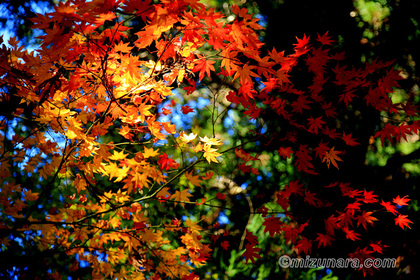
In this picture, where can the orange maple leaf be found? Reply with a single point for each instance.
(181, 197)
(400, 201)
(204, 66)
(193, 179)
(245, 74)
(331, 157)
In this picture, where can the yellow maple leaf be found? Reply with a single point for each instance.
(198, 148)
(210, 154)
(150, 152)
(124, 131)
(118, 155)
(187, 138)
(211, 141)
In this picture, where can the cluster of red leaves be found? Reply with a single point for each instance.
(310, 112)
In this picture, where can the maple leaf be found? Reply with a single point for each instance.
(349, 141)
(303, 160)
(315, 124)
(389, 207)
(331, 225)
(181, 197)
(251, 238)
(149, 152)
(204, 66)
(210, 154)
(331, 157)
(400, 201)
(353, 206)
(122, 47)
(331, 133)
(163, 194)
(208, 176)
(304, 245)
(321, 150)
(251, 253)
(193, 226)
(350, 234)
(365, 218)
(272, 225)
(270, 85)
(187, 138)
(221, 196)
(211, 141)
(225, 244)
(285, 152)
(193, 179)
(325, 39)
(302, 44)
(402, 221)
(368, 197)
(294, 187)
(347, 97)
(165, 162)
(118, 155)
(245, 74)
(377, 247)
(324, 239)
(186, 109)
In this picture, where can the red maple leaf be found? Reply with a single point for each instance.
(303, 160)
(389, 207)
(368, 197)
(302, 44)
(294, 187)
(221, 196)
(186, 109)
(225, 244)
(353, 206)
(285, 152)
(315, 124)
(269, 85)
(272, 225)
(251, 238)
(365, 218)
(321, 150)
(377, 247)
(331, 225)
(349, 141)
(402, 221)
(324, 239)
(325, 39)
(251, 253)
(165, 162)
(304, 245)
(331, 133)
(350, 234)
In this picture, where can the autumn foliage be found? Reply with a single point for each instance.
(90, 161)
